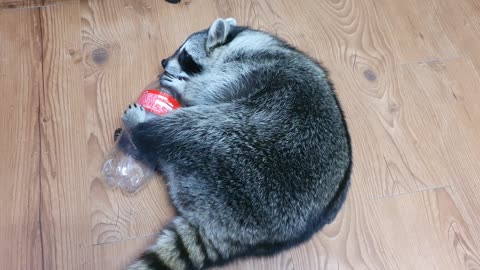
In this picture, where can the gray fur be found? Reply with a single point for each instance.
(258, 159)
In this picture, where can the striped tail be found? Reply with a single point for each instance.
(180, 246)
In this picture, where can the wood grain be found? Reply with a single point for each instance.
(416, 31)
(65, 202)
(20, 84)
(406, 73)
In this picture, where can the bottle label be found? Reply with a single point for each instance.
(157, 102)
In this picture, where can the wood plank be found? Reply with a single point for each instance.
(416, 31)
(120, 254)
(121, 58)
(425, 230)
(461, 22)
(15, 4)
(452, 146)
(20, 83)
(65, 185)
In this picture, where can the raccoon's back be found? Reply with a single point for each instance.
(287, 155)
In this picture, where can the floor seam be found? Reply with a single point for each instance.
(407, 193)
(432, 60)
(40, 96)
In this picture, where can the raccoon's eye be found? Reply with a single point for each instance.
(187, 63)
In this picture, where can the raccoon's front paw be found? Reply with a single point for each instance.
(135, 114)
(175, 83)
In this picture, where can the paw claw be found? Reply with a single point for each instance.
(134, 115)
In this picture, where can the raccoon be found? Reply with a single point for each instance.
(258, 158)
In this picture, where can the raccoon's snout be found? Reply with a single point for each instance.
(164, 63)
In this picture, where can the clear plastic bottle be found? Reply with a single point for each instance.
(122, 168)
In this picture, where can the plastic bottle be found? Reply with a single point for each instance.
(122, 168)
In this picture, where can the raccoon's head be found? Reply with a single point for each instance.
(197, 54)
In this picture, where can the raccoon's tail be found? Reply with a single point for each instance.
(180, 246)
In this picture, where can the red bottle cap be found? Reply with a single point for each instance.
(157, 102)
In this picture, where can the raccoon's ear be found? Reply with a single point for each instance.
(231, 21)
(218, 32)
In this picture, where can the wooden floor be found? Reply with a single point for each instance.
(407, 73)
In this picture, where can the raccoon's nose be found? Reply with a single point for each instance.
(164, 63)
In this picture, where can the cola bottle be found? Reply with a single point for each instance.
(123, 167)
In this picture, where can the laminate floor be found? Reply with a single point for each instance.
(406, 72)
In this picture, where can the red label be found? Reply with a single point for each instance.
(157, 102)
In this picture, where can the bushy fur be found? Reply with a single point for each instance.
(258, 159)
